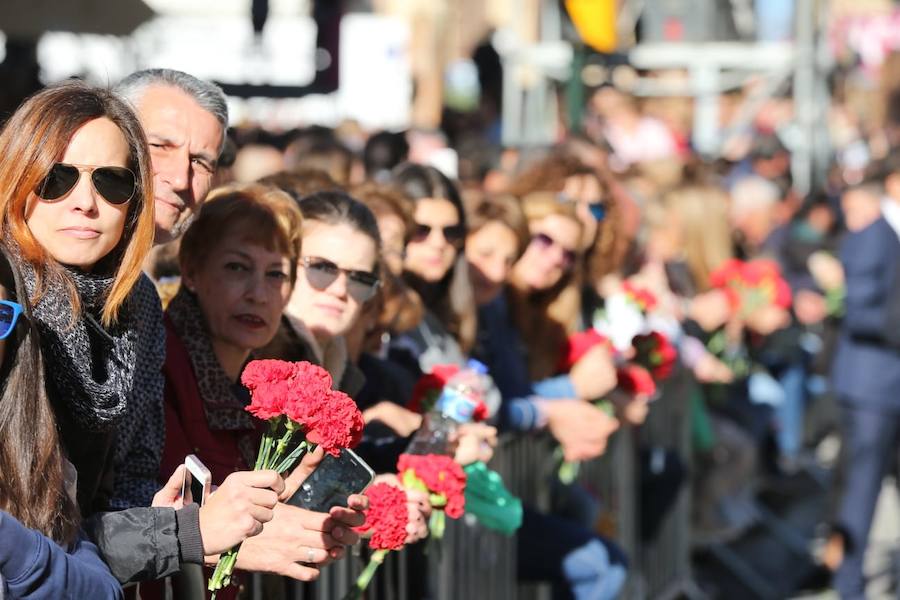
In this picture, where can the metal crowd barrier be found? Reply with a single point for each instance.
(475, 563)
(665, 561)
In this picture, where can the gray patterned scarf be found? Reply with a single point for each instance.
(90, 369)
(223, 399)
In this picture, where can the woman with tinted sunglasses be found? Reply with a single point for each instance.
(77, 220)
(337, 274)
(338, 279)
(436, 269)
(596, 203)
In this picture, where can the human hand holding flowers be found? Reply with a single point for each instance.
(386, 521)
(295, 399)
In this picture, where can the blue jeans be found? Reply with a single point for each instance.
(790, 414)
(580, 564)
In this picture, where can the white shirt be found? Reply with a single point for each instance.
(890, 210)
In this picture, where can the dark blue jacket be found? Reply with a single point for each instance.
(501, 349)
(866, 369)
(33, 566)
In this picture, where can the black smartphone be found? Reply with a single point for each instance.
(336, 478)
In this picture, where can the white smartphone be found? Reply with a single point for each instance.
(197, 481)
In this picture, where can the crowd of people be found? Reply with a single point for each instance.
(149, 253)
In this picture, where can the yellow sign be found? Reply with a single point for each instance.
(595, 21)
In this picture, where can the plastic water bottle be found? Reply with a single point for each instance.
(466, 393)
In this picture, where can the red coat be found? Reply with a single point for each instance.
(187, 430)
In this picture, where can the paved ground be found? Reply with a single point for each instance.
(773, 558)
(883, 558)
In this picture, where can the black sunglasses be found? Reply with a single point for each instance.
(452, 233)
(321, 273)
(545, 241)
(116, 184)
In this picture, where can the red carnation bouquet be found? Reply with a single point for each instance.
(576, 346)
(655, 352)
(636, 380)
(443, 479)
(386, 520)
(297, 400)
(428, 389)
(751, 285)
(644, 299)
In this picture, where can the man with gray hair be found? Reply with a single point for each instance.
(754, 201)
(184, 119)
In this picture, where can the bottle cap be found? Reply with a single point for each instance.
(477, 366)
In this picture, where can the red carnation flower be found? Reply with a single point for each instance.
(441, 475)
(640, 296)
(782, 295)
(728, 271)
(480, 413)
(752, 284)
(269, 383)
(386, 517)
(429, 387)
(335, 423)
(756, 271)
(636, 380)
(260, 372)
(294, 397)
(655, 353)
(576, 346)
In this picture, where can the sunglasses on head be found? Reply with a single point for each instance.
(9, 316)
(546, 242)
(116, 184)
(321, 273)
(452, 233)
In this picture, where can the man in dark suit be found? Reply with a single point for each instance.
(866, 374)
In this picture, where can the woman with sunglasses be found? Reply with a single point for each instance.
(498, 236)
(77, 221)
(603, 245)
(339, 280)
(76, 211)
(435, 268)
(337, 275)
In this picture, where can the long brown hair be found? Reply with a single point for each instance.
(607, 251)
(34, 138)
(702, 215)
(451, 299)
(545, 318)
(32, 485)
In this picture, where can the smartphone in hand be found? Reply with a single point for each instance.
(197, 481)
(333, 481)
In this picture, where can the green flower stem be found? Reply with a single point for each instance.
(279, 449)
(365, 578)
(294, 456)
(221, 577)
(437, 524)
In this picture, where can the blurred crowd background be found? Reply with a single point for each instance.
(710, 130)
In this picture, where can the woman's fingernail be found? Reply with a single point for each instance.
(337, 533)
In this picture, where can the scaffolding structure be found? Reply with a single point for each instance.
(534, 71)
